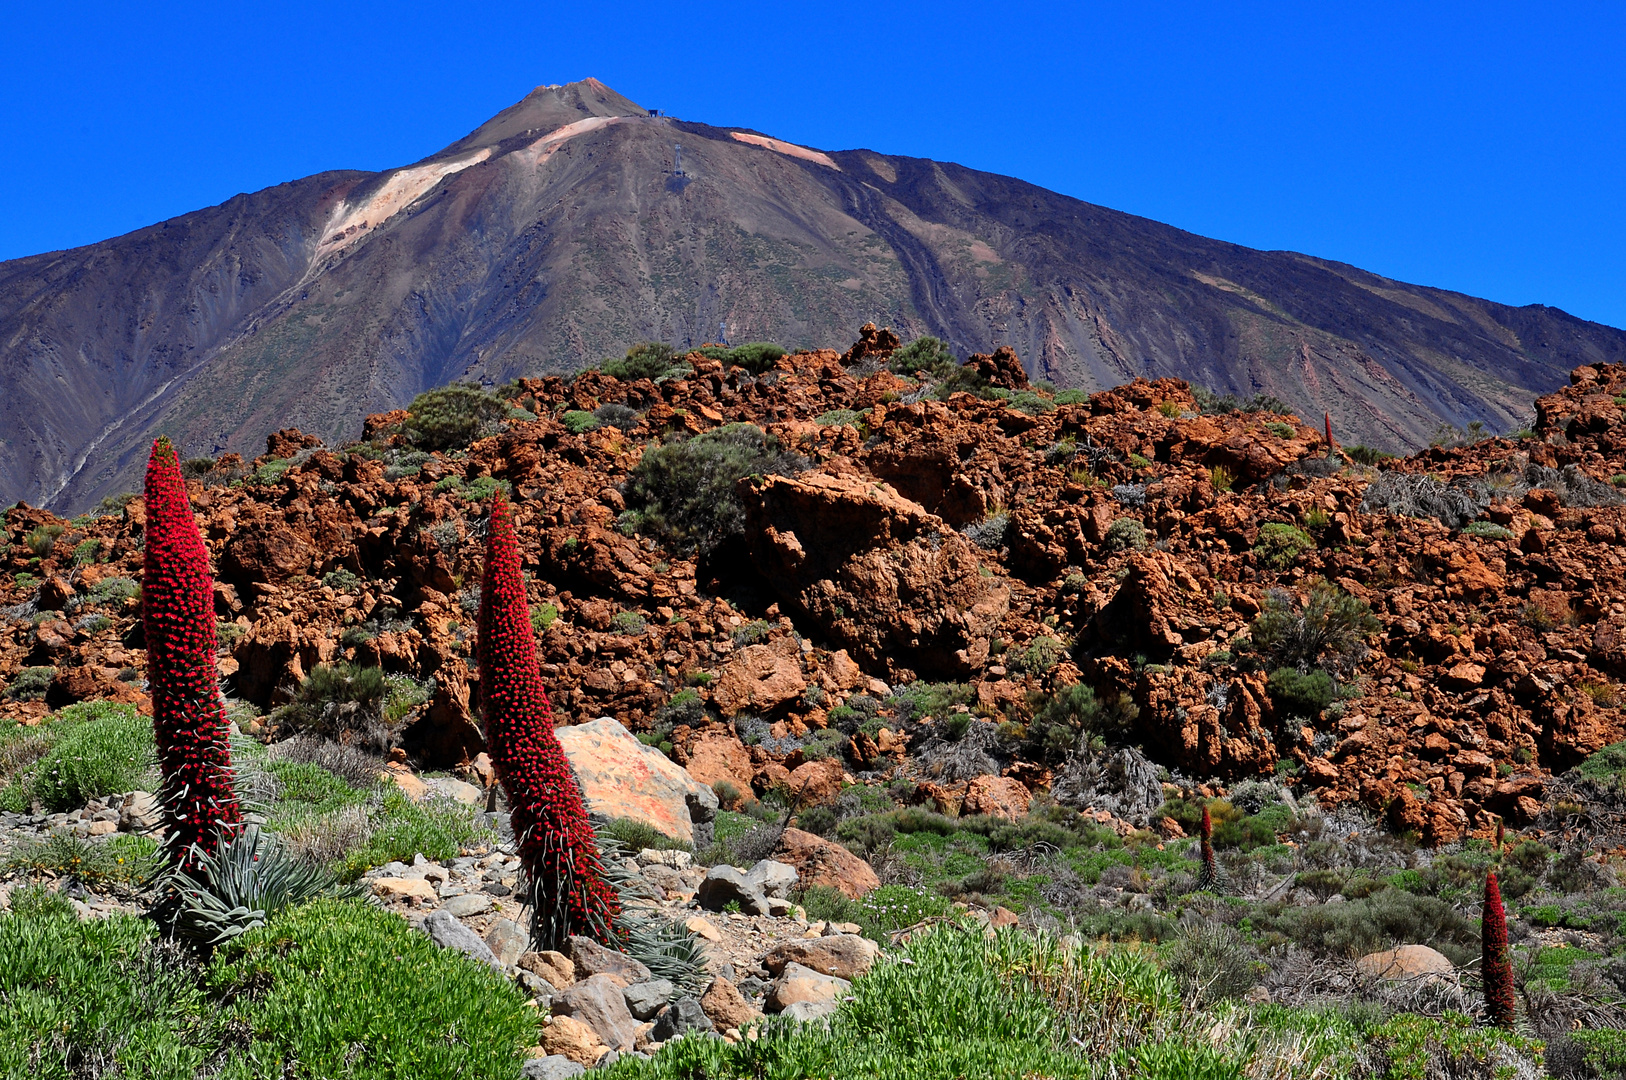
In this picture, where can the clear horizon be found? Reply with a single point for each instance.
(1477, 148)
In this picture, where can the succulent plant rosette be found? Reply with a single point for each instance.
(569, 892)
(188, 713)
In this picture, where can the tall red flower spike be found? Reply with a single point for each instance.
(1501, 833)
(188, 713)
(1210, 873)
(569, 893)
(1495, 966)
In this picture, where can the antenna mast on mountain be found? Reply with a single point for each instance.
(677, 159)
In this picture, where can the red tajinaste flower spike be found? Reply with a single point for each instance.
(1495, 964)
(188, 713)
(1210, 873)
(569, 892)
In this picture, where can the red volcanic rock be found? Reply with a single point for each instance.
(875, 572)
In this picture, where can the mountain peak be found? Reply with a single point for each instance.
(547, 108)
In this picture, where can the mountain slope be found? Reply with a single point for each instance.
(575, 224)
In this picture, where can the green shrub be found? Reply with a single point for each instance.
(1327, 629)
(125, 860)
(684, 489)
(87, 551)
(401, 828)
(31, 683)
(1302, 694)
(620, 417)
(1125, 534)
(578, 422)
(1072, 397)
(111, 590)
(1280, 545)
(684, 707)
(838, 418)
(1067, 718)
(1366, 455)
(97, 748)
(482, 488)
(927, 354)
(1487, 530)
(1606, 764)
(543, 615)
(648, 360)
(336, 698)
(42, 539)
(628, 622)
(95, 998)
(1280, 430)
(1031, 403)
(756, 356)
(751, 633)
(340, 988)
(452, 416)
(636, 835)
(1042, 654)
(1136, 461)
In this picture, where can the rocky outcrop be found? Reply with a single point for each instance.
(875, 572)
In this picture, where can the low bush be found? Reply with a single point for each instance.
(1302, 694)
(649, 360)
(578, 422)
(31, 683)
(1327, 629)
(399, 829)
(1125, 534)
(989, 533)
(1280, 545)
(452, 416)
(924, 354)
(1211, 404)
(838, 418)
(339, 988)
(1072, 397)
(1487, 530)
(42, 539)
(620, 417)
(123, 861)
(684, 489)
(96, 748)
(755, 357)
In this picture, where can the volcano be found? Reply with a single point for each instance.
(577, 223)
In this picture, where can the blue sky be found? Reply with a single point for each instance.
(1478, 147)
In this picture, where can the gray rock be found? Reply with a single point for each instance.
(798, 984)
(780, 906)
(467, 904)
(773, 878)
(724, 885)
(598, 1003)
(684, 1015)
(645, 999)
(508, 941)
(552, 1067)
(664, 877)
(803, 1011)
(444, 930)
(591, 958)
(676, 858)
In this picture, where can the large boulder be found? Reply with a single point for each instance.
(802, 985)
(724, 885)
(1407, 962)
(846, 956)
(875, 572)
(720, 756)
(599, 1003)
(623, 778)
(761, 679)
(821, 862)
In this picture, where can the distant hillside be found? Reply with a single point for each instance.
(575, 223)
